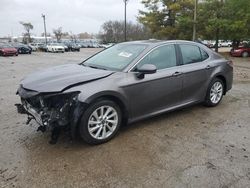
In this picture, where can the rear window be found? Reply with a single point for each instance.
(192, 54)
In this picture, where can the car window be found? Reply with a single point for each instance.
(190, 54)
(162, 57)
(116, 57)
(204, 55)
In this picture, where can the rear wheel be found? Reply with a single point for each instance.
(215, 92)
(245, 54)
(100, 122)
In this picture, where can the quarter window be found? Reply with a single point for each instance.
(192, 54)
(162, 57)
(204, 55)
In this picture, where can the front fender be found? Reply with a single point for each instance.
(75, 117)
(90, 98)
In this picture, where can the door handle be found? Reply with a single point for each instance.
(208, 67)
(177, 74)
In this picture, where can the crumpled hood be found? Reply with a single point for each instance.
(58, 78)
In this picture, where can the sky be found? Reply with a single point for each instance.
(74, 16)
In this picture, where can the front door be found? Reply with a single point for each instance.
(158, 91)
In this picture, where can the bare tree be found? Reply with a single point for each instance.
(26, 35)
(58, 33)
(113, 31)
(85, 35)
(73, 37)
(48, 34)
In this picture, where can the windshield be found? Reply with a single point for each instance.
(116, 57)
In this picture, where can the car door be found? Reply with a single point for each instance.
(156, 92)
(194, 69)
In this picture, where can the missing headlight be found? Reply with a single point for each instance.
(51, 111)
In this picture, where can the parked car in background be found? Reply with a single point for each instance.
(66, 48)
(125, 83)
(43, 48)
(225, 43)
(6, 50)
(22, 48)
(83, 45)
(55, 47)
(33, 47)
(73, 47)
(241, 51)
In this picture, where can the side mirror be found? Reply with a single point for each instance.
(146, 69)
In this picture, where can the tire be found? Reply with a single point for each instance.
(215, 92)
(245, 54)
(103, 128)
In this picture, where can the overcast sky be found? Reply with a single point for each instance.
(72, 15)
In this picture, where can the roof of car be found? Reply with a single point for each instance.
(155, 42)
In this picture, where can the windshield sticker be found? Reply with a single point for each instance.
(125, 54)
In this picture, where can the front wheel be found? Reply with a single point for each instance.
(215, 92)
(100, 122)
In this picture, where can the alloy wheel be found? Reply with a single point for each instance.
(102, 122)
(216, 92)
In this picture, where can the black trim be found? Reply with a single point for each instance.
(178, 55)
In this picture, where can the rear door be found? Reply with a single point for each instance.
(194, 68)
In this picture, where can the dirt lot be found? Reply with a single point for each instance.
(194, 147)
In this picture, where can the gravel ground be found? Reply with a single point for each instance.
(193, 147)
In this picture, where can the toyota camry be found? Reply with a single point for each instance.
(122, 84)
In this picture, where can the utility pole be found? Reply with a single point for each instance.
(44, 24)
(195, 19)
(125, 19)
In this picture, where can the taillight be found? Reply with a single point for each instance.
(230, 63)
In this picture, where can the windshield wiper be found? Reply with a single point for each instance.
(94, 67)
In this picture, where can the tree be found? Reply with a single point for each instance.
(211, 16)
(26, 35)
(238, 27)
(85, 35)
(48, 34)
(113, 32)
(73, 37)
(228, 20)
(168, 19)
(58, 33)
(216, 19)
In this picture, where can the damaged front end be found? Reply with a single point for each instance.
(50, 110)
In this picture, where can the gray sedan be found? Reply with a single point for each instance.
(123, 84)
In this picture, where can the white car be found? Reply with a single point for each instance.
(55, 47)
(225, 43)
(33, 46)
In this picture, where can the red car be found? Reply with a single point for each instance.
(6, 49)
(242, 51)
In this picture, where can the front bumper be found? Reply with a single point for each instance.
(59, 49)
(9, 53)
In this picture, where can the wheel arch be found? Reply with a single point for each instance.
(119, 100)
(223, 79)
(244, 51)
(84, 103)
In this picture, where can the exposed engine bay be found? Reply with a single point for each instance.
(50, 110)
